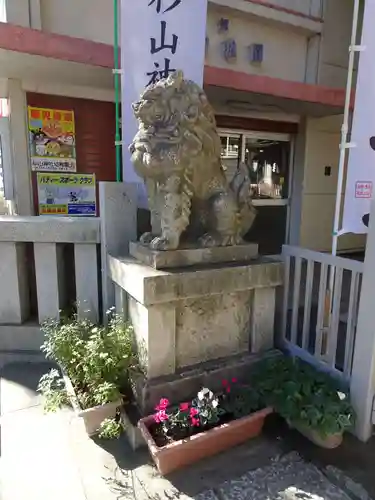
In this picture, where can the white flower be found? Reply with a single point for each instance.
(215, 403)
(205, 393)
(341, 395)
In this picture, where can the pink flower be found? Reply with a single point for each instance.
(225, 383)
(193, 412)
(184, 406)
(195, 422)
(163, 404)
(228, 389)
(234, 380)
(160, 416)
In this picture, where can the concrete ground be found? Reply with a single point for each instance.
(47, 457)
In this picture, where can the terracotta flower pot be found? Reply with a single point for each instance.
(205, 444)
(329, 442)
(92, 417)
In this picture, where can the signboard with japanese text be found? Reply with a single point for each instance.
(361, 164)
(158, 38)
(66, 194)
(52, 140)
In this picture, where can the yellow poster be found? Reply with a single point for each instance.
(52, 140)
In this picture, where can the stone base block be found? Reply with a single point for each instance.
(130, 416)
(187, 316)
(186, 257)
(185, 385)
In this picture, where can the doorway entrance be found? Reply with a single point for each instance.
(268, 160)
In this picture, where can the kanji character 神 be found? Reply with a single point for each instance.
(158, 73)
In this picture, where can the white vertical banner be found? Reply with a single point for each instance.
(361, 165)
(158, 37)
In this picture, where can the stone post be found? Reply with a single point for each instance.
(262, 320)
(118, 220)
(14, 296)
(362, 386)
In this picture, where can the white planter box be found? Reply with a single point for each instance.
(92, 417)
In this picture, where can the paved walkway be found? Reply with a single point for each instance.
(49, 457)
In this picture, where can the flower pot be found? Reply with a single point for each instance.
(205, 444)
(92, 417)
(329, 442)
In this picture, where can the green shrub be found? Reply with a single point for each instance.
(302, 394)
(97, 359)
(110, 428)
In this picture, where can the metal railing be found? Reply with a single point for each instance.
(319, 324)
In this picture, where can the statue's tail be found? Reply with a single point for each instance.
(240, 185)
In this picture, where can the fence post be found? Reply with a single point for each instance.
(362, 384)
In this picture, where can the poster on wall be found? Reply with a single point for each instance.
(66, 194)
(52, 140)
(361, 165)
(158, 38)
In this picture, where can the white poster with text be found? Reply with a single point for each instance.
(158, 38)
(361, 163)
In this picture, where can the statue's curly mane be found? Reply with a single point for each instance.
(175, 120)
(177, 151)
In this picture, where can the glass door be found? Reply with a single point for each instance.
(267, 159)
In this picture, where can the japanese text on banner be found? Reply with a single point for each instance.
(159, 37)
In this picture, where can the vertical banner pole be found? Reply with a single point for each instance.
(340, 179)
(117, 91)
(345, 128)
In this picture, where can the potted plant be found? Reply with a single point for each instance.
(95, 362)
(306, 398)
(182, 435)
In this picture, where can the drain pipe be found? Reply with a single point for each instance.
(116, 73)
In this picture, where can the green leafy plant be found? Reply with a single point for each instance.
(97, 359)
(302, 394)
(110, 428)
(239, 400)
(52, 386)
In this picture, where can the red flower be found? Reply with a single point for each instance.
(193, 412)
(184, 406)
(163, 404)
(160, 416)
(228, 389)
(234, 380)
(195, 422)
(225, 383)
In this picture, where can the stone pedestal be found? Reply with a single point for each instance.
(187, 317)
(186, 257)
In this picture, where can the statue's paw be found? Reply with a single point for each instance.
(230, 241)
(208, 240)
(217, 240)
(146, 238)
(161, 243)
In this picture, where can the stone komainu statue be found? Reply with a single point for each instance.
(177, 151)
